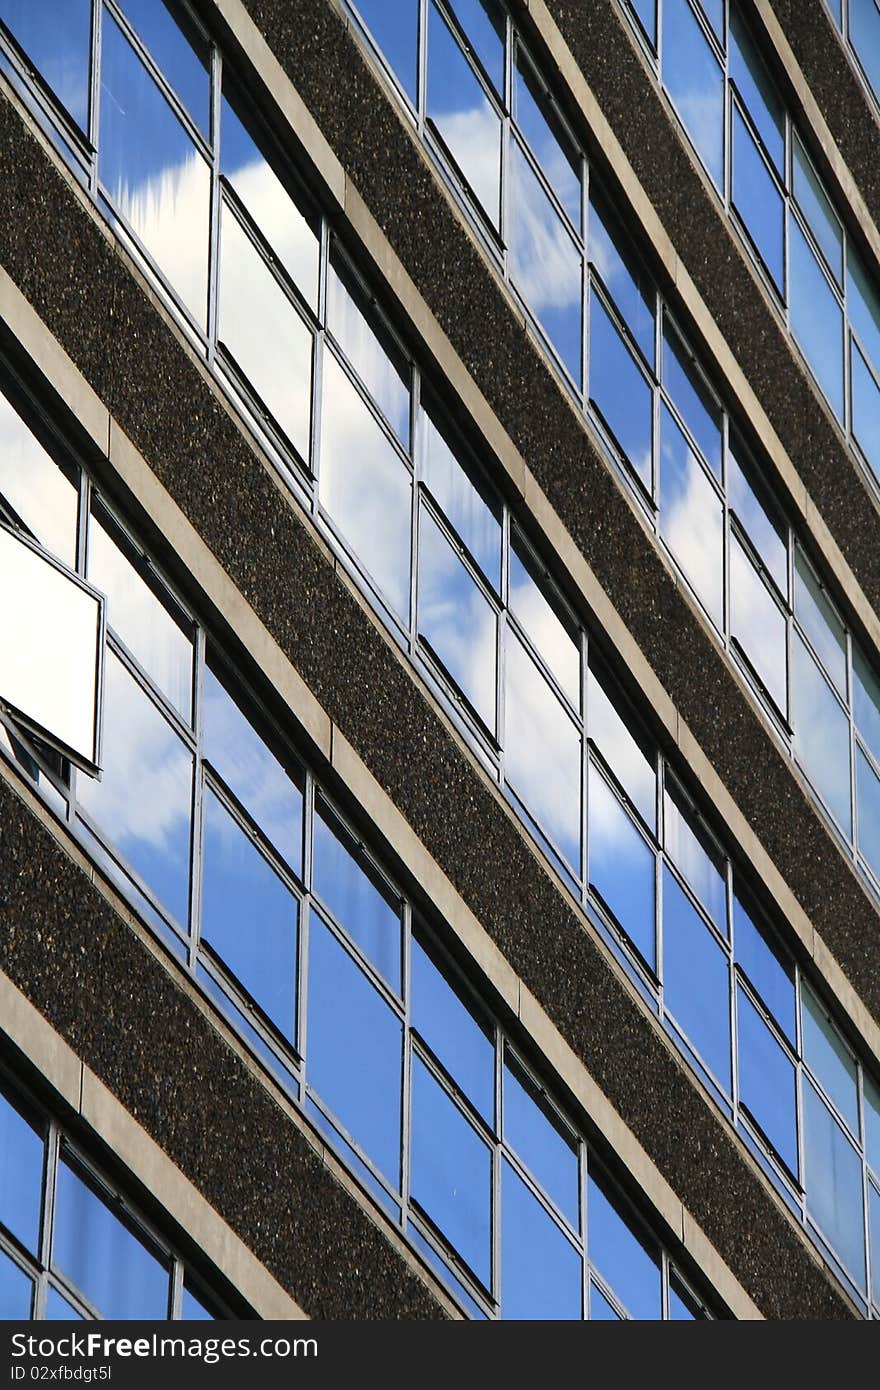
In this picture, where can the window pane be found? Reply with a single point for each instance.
(249, 917)
(143, 801)
(830, 1060)
(691, 517)
(833, 1180)
(767, 1082)
(630, 289)
(533, 1130)
(682, 1307)
(545, 264)
(619, 391)
(872, 1123)
(623, 1261)
(548, 144)
(236, 751)
(377, 364)
(821, 734)
(692, 398)
(863, 305)
(772, 977)
(354, 1050)
(360, 903)
(696, 858)
(451, 1171)
(365, 487)
(55, 34)
(645, 11)
(695, 82)
(621, 866)
(624, 755)
(542, 753)
(818, 211)
(16, 1290)
(182, 56)
(446, 1023)
(483, 22)
(874, 1221)
(541, 1272)
(152, 172)
(696, 981)
(396, 31)
(766, 533)
(756, 90)
(266, 336)
(821, 624)
(868, 810)
(461, 500)
(192, 1310)
(757, 623)
(457, 620)
(21, 1175)
(153, 633)
(41, 493)
(59, 1310)
(600, 1309)
(864, 35)
(119, 1276)
(550, 636)
(816, 318)
(267, 199)
(865, 409)
(866, 701)
(464, 116)
(758, 200)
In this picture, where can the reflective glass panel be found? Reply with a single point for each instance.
(620, 392)
(624, 755)
(756, 90)
(365, 487)
(545, 137)
(377, 364)
(266, 336)
(21, 1175)
(463, 115)
(766, 533)
(547, 1150)
(691, 520)
(541, 1272)
(119, 1276)
(55, 35)
(696, 980)
(43, 495)
(868, 804)
(462, 502)
(829, 1059)
(457, 620)
(354, 1050)
(600, 1309)
(542, 752)
(249, 917)
(714, 12)
(865, 409)
(816, 317)
(864, 35)
(692, 852)
(620, 1256)
(866, 701)
(270, 203)
(183, 58)
(772, 977)
(192, 1309)
(395, 29)
(821, 624)
(152, 172)
(630, 289)
(451, 1171)
(871, 1094)
(692, 397)
(16, 1290)
(682, 1307)
(821, 733)
(767, 1081)
(143, 801)
(446, 1023)
(352, 890)
(483, 23)
(545, 264)
(833, 1180)
(874, 1224)
(645, 11)
(758, 200)
(757, 623)
(695, 82)
(59, 1310)
(141, 619)
(863, 306)
(820, 215)
(550, 636)
(621, 866)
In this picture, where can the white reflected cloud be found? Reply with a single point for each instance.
(546, 631)
(545, 263)
(542, 751)
(757, 624)
(457, 621)
(620, 750)
(280, 222)
(690, 520)
(364, 350)
(474, 138)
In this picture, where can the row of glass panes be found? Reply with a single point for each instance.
(72, 1246)
(859, 22)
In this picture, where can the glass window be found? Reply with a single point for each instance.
(868, 811)
(352, 890)
(864, 35)
(833, 1181)
(626, 1264)
(59, 1310)
(483, 23)
(819, 621)
(692, 397)
(249, 917)
(871, 1093)
(820, 215)
(620, 392)
(695, 82)
(816, 317)
(600, 1309)
(771, 976)
(865, 409)
(621, 867)
(379, 366)
(55, 35)
(152, 172)
(365, 487)
(447, 1024)
(541, 1272)
(462, 501)
(821, 733)
(463, 115)
(829, 1059)
(451, 1171)
(756, 89)
(268, 200)
(457, 620)
(143, 616)
(694, 855)
(714, 12)
(874, 1222)
(696, 980)
(143, 802)
(766, 1081)
(645, 11)
(102, 1255)
(354, 1050)
(179, 51)
(758, 200)
(682, 1308)
(16, 1291)
(767, 534)
(192, 1309)
(548, 1151)
(542, 752)
(758, 624)
(551, 637)
(235, 750)
(540, 126)
(863, 305)
(545, 264)
(40, 492)
(621, 750)
(866, 701)
(691, 520)
(396, 32)
(631, 290)
(263, 332)
(21, 1175)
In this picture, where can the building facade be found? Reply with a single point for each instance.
(440, 675)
